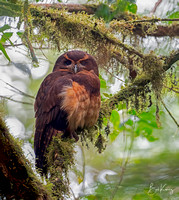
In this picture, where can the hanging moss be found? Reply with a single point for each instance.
(100, 143)
(60, 158)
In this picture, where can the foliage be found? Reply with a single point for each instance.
(10, 8)
(142, 180)
(111, 10)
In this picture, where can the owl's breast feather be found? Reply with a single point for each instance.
(81, 105)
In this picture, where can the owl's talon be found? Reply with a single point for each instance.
(75, 136)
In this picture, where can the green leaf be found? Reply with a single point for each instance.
(4, 51)
(132, 8)
(140, 197)
(143, 196)
(6, 36)
(106, 94)
(103, 11)
(19, 34)
(115, 119)
(102, 82)
(9, 9)
(174, 15)
(5, 27)
(129, 122)
(132, 112)
(151, 138)
(113, 135)
(121, 6)
(90, 197)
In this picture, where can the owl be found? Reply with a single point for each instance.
(68, 99)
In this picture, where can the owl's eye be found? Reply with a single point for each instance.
(84, 62)
(68, 62)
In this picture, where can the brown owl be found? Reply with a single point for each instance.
(68, 98)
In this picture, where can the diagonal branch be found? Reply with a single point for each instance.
(170, 113)
(156, 6)
(17, 180)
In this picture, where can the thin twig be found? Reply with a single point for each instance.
(126, 161)
(113, 74)
(156, 6)
(26, 33)
(14, 45)
(172, 89)
(19, 91)
(169, 113)
(155, 20)
(17, 101)
(84, 169)
(73, 194)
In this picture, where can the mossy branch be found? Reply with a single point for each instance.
(70, 7)
(17, 180)
(160, 31)
(137, 86)
(81, 30)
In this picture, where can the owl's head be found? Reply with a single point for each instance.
(76, 61)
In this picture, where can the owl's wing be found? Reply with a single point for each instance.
(48, 113)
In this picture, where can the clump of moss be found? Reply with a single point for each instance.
(60, 158)
(100, 143)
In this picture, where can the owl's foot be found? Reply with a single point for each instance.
(71, 135)
(75, 136)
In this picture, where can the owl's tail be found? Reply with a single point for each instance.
(41, 142)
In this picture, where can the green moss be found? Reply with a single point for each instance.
(60, 158)
(16, 174)
(100, 143)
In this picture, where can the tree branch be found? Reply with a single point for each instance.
(134, 88)
(17, 180)
(161, 31)
(88, 8)
(154, 20)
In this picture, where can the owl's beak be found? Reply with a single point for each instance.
(75, 69)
